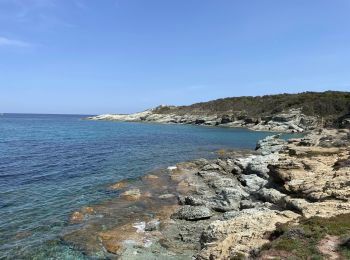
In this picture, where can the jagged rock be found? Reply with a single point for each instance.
(291, 120)
(230, 204)
(229, 192)
(258, 165)
(239, 201)
(323, 209)
(193, 201)
(312, 173)
(252, 182)
(212, 167)
(201, 162)
(223, 182)
(247, 204)
(226, 166)
(228, 199)
(207, 176)
(236, 169)
(152, 225)
(230, 214)
(270, 144)
(272, 195)
(242, 233)
(192, 213)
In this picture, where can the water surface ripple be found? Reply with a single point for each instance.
(51, 165)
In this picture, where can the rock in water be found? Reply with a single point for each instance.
(133, 194)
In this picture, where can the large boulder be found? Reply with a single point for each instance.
(242, 233)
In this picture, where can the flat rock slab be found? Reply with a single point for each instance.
(188, 212)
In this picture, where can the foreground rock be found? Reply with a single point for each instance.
(286, 182)
(228, 207)
(242, 234)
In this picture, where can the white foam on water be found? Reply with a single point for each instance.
(172, 168)
(140, 226)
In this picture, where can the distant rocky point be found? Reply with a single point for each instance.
(280, 113)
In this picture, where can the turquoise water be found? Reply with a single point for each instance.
(52, 165)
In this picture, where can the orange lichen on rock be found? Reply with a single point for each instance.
(151, 177)
(133, 194)
(88, 210)
(114, 240)
(119, 185)
(76, 217)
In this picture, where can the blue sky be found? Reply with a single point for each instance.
(81, 56)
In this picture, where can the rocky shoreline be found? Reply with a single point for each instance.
(291, 121)
(222, 208)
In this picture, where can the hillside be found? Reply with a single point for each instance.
(279, 113)
(331, 105)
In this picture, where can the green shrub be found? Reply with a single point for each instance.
(329, 105)
(302, 240)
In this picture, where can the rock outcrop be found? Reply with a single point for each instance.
(289, 121)
(229, 206)
(287, 181)
(280, 113)
(241, 235)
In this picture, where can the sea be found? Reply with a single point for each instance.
(52, 165)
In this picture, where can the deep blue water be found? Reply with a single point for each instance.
(51, 165)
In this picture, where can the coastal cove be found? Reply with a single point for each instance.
(174, 130)
(54, 165)
(242, 205)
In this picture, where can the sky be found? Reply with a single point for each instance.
(122, 56)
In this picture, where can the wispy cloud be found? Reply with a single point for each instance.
(12, 43)
(34, 14)
(21, 9)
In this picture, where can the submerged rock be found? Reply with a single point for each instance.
(151, 177)
(88, 210)
(118, 185)
(76, 217)
(133, 194)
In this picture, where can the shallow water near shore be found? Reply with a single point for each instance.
(53, 165)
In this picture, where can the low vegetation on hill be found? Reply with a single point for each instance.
(314, 238)
(330, 105)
